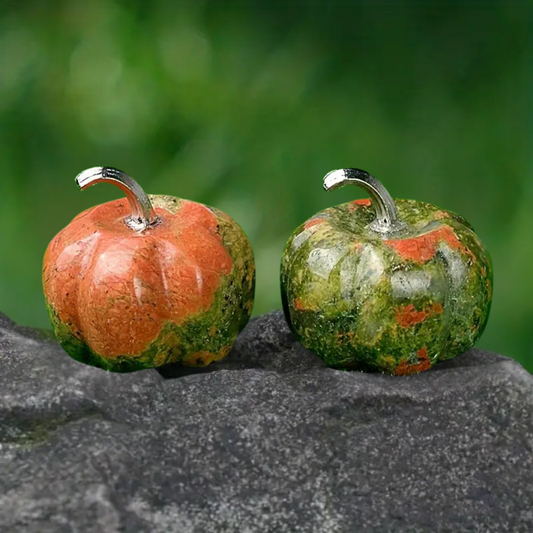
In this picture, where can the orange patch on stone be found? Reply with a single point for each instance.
(439, 215)
(423, 247)
(407, 315)
(298, 305)
(313, 222)
(364, 202)
(116, 288)
(424, 363)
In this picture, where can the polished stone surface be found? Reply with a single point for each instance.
(396, 300)
(123, 300)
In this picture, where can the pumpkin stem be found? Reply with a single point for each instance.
(387, 219)
(143, 215)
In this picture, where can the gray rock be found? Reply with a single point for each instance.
(268, 440)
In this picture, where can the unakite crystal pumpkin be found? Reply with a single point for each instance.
(385, 285)
(153, 280)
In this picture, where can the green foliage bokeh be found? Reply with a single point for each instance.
(245, 106)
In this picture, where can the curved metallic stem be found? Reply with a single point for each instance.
(143, 214)
(386, 213)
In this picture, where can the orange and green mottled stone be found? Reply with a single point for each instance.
(397, 305)
(179, 292)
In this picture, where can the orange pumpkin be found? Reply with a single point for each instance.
(161, 280)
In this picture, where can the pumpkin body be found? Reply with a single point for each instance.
(365, 301)
(179, 292)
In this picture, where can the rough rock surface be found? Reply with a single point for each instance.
(268, 440)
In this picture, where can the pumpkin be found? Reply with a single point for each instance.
(383, 285)
(148, 281)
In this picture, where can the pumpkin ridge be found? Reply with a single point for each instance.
(121, 315)
(64, 295)
(83, 266)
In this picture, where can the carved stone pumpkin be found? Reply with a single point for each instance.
(385, 285)
(142, 283)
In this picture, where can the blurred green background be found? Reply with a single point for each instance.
(245, 106)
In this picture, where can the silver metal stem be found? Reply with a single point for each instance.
(143, 215)
(387, 219)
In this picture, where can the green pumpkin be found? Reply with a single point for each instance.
(385, 285)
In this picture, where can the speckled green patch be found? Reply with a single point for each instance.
(394, 304)
(170, 203)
